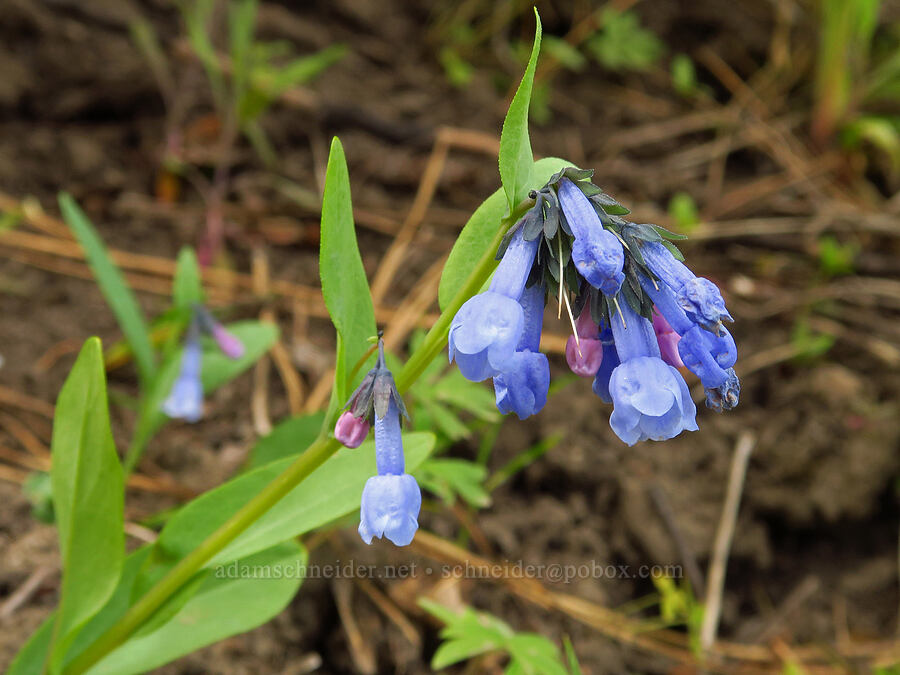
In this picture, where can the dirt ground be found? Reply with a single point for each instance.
(814, 557)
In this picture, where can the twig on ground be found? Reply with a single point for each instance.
(24, 435)
(360, 649)
(431, 176)
(259, 402)
(715, 584)
(22, 401)
(24, 592)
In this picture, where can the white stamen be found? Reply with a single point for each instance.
(619, 310)
(572, 320)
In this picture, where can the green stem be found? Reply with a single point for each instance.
(182, 572)
(309, 461)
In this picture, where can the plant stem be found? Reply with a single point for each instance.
(182, 572)
(314, 456)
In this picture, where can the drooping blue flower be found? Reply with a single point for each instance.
(391, 500)
(607, 366)
(700, 298)
(651, 399)
(707, 355)
(185, 400)
(596, 252)
(726, 396)
(486, 329)
(522, 387)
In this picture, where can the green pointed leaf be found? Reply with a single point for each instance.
(449, 477)
(187, 289)
(536, 655)
(516, 158)
(331, 491)
(229, 600)
(241, 24)
(112, 284)
(344, 284)
(454, 651)
(482, 227)
(87, 497)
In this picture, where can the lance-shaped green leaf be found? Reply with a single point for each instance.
(344, 284)
(331, 491)
(187, 289)
(112, 284)
(480, 231)
(229, 599)
(516, 158)
(87, 497)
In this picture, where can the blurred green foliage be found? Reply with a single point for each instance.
(623, 44)
(808, 344)
(678, 606)
(468, 633)
(684, 75)
(857, 79)
(836, 259)
(683, 211)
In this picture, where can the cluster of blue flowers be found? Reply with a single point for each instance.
(185, 400)
(391, 500)
(638, 315)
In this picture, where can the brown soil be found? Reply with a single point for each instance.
(79, 110)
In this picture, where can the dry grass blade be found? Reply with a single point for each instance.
(360, 649)
(715, 581)
(22, 401)
(427, 187)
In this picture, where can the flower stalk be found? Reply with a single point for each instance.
(314, 456)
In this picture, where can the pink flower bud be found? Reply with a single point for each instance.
(230, 345)
(584, 358)
(668, 340)
(350, 430)
(585, 326)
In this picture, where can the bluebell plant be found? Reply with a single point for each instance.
(638, 314)
(390, 500)
(185, 399)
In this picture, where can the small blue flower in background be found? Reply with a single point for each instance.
(700, 298)
(650, 398)
(597, 252)
(486, 329)
(185, 401)
(522, 387)
(392, 499)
